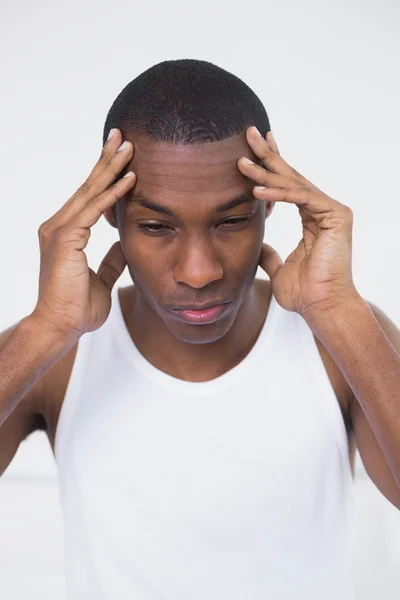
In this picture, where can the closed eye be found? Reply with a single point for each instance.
(159, 228)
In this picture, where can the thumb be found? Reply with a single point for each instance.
(270, 260)
(112, 265)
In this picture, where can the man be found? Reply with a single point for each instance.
(203, 421)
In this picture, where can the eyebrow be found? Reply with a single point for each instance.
(147, 203)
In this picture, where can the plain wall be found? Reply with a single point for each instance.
(327, 73)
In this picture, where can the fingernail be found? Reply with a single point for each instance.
(256, 131)
(112, 131)
(123, 146)
(129, 174)
(247, 160)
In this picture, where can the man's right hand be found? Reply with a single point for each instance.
(73, 299)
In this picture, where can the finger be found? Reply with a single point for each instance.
(294, 177)
(272, 143)
(259, 174)
(95, 185)
(270, 260)
(112, 266)
(272, 160)
(320, 206)
(95, 207)
(113, 164)
(109, 149)
(113, 142)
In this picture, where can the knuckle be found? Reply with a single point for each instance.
(96, 170)
(93, 203)
(103, 153)
(41, 229)
(296, 174)
(347, 213)
(85, 187)
(114, 167)
(49, 235)
(103, 163)
(72, 236)
(91, 200)
(44, 230)
(112, 195)
(58, 234)
(115, 170)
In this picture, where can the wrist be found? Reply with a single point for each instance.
(45, 333)
(338, 316)
(331, 306)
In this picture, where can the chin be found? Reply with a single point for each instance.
(202, 334)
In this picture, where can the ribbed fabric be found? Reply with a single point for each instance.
(239, 488)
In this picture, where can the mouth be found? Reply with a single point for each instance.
(202, 316)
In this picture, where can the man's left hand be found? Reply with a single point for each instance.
(317, 276)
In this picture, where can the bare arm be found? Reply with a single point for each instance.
(73, 299)
(25, 356)
(27, 353)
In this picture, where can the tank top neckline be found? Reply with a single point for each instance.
(124, 340)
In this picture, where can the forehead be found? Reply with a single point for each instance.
(210, 166)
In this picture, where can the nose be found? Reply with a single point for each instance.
(197, 264)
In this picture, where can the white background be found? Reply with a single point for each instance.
(327, 73)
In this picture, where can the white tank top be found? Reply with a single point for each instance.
(237, 488)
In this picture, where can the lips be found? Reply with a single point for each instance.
(199, 307)
(203, 316)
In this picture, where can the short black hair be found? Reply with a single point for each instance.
(186, 101)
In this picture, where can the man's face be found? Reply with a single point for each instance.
(197, 254)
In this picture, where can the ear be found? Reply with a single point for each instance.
(109, 215)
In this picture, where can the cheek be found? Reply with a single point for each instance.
(247, 249)
(145, 258)
(241, 250)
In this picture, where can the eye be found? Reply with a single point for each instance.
(152, 227)
(232, 222)
(155, 228)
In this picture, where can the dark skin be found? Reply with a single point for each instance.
(199, 256)
(367, 407)
(195, 262)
